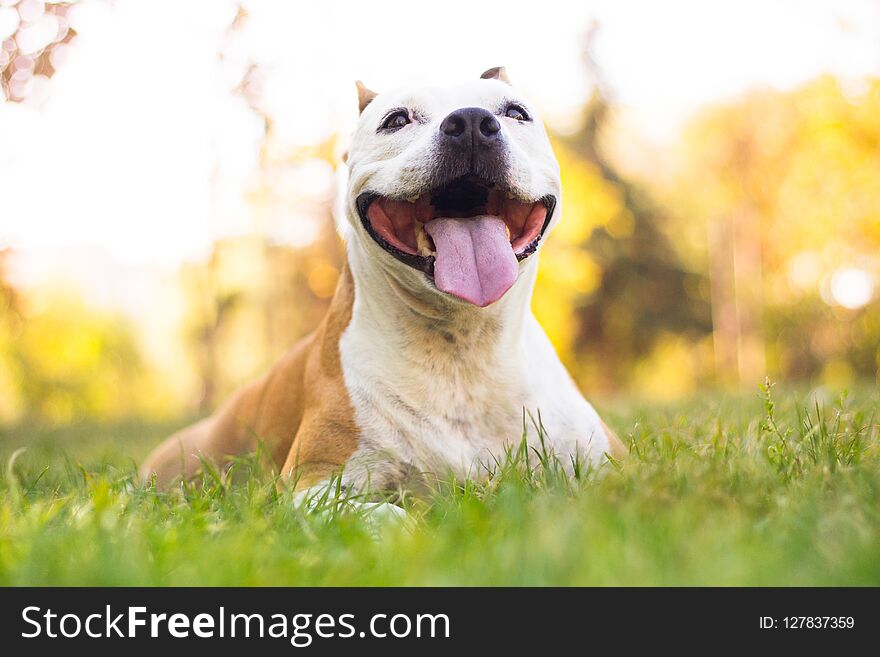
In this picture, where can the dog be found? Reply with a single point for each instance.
(429, 355)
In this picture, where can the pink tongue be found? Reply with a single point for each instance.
(474, 259)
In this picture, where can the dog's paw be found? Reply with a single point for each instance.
(377, 516)
(380, 516)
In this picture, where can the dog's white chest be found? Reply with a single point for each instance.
(458, 410)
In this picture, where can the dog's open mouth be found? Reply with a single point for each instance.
(467, 235)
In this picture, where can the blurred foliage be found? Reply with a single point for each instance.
(61, 360)
(612, 290)
(754, 252)
(251, 301)
(256, 295)
(794, 178)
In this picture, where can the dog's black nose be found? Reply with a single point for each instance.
(471, 126)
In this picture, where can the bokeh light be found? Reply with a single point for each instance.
(852, 287)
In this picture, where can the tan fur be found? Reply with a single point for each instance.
(300, 409)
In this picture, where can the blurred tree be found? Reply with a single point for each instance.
(260, 292)
(610, 277)
(789, 186)
(10, 327)
(61, 361)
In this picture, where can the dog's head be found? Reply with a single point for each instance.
(455, 188)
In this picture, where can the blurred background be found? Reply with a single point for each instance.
(168, 172)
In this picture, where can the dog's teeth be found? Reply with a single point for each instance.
(422, 242)
(507, 230)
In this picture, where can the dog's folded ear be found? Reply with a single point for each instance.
(365, 96)
(496, 73)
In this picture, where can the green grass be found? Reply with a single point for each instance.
(739, 490)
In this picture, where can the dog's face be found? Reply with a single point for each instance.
(454, 187)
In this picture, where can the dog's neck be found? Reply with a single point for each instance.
(432, 330)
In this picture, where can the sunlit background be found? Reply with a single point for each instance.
(168, 169)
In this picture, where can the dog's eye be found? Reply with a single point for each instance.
(517, 112)
(396, 120)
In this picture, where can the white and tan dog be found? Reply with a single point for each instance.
(429, 352)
